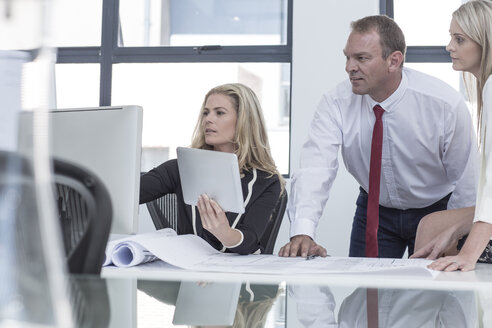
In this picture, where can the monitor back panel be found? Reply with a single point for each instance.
(107, 141)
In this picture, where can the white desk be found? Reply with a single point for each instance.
(462, 298)
(406, 298)
(479, 279)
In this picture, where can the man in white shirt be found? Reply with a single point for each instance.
(428, 145)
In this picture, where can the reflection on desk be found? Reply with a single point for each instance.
(215, 303)
(147, 303)
(90, 301)
(397, 308)
(131, 302)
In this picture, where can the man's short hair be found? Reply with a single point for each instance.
(390, 35)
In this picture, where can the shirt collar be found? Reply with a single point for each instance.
(389, 103)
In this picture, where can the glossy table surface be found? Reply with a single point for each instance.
(156, 295)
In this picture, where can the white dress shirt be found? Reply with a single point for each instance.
(429, 149)
(483, 210)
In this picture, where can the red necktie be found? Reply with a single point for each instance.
(374, 182)
(373, 211)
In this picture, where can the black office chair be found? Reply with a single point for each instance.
(83, 203)
(273, 226)
(85, 213)
(164, 214)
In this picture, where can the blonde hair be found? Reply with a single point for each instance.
(251, 138)
(475, 19)
(252, 314)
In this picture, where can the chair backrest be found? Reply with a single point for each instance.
(85, 213)
(164, 212)
(270, 235)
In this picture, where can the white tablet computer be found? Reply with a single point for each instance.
(213, 173)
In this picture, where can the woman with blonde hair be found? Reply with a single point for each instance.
(444, 232)
(230, 120)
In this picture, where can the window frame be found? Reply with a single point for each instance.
(109, 53)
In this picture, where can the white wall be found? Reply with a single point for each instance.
(320, 30)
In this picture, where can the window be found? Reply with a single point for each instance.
(426, 28)
(77, 85)
(432, 28)
(76, 23)
(199, 22)
(171, 97)
(166, 54)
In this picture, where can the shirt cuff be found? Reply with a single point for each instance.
(240, 241)
(484, 210)
(303, 227)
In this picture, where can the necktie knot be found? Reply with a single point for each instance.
(378, 111)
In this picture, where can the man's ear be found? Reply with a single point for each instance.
(396, 58)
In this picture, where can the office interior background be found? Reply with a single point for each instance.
(164, 55)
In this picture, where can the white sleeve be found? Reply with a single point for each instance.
(461, 157)
(483, 210)
(311, 184)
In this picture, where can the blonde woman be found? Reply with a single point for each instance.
(439, 233)
(230, 120)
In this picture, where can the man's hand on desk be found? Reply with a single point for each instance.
(302, 245)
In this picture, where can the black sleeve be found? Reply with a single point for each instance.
(254, 221)
(160, 181)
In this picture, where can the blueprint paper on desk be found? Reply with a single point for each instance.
(182, 251)
(193, 253)
(287, 265)
(128, 251)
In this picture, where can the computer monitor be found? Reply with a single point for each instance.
(107, 141)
